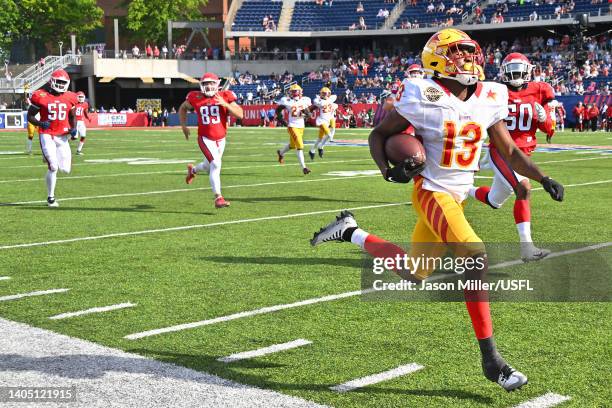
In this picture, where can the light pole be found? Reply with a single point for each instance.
(61, 44)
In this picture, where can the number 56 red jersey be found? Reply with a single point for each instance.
(522, 120)
(212, 118)
(54, 109)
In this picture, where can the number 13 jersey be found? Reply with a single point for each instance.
(452, 131)
(212, 118)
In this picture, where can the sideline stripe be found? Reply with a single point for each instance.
(92, 310)
(37, 293)
(312, 301)
(183, 190)
(5, 277)
(376, 378)
(264, 351)
(549, 399)
(196, 226)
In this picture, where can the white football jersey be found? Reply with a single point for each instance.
(327, 109)
(453, 131)
(295, 109)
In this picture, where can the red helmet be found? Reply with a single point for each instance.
(516, 69)
(59, 81)
(415, 71)
(209, 84)
(81, 96)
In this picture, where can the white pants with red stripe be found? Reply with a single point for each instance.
(56, 151)
(505, 179)
(213, 152)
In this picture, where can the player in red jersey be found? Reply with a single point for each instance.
(56, 107)
(81, 113)
(579, 112)
(527, 104)
(212, 107)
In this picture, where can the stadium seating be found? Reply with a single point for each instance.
(308, 16)
(250, 16)
(518, 12)
(419, 13)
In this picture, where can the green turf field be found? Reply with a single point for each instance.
(180, 260)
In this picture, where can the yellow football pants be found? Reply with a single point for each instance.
(440, 220)
(296, 138)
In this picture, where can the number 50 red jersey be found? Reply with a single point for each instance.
(522, 120)
(212, 118)
(54, 109)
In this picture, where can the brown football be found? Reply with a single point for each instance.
(402, 146)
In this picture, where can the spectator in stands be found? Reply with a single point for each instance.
(362, 24)
(533, 16)
(360, 8)
(380, 13)
(441, 7)
(430, 8)
(156, 52)
(164, 51)
(149, 51)
(264, 22)
(135, 51)
(298, 53)
(352, 27)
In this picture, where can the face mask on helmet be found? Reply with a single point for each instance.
(209, 88)
(59, 85)
(516, 73)
(465, 62)
(325, 94)
(295, 93)
(81, 98)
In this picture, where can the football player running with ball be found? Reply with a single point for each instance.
(326, 120)
(81, 113)
(452, 111)
(298, 107)
(528, 112)
(55, 104)
(212, 107)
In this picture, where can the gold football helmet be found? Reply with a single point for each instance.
(452, 54)
(295, 91)
(325, 92)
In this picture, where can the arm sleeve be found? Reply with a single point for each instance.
(546, 93)
(230, 96)
(35, 100)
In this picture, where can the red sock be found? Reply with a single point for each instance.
(380, 248)
(82, 140)
(522, 211)
(481, 319)
(481, 194)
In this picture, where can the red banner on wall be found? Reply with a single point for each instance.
(252, 113)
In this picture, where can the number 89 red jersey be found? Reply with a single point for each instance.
(54, 109)
(212, 118)
(522, 120)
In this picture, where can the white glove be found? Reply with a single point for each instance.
(540, 112)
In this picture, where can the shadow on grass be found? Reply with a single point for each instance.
(235, 371)
(279, 260)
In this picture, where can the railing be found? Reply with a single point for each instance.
(38, 74)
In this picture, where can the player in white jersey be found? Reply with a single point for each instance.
(298, 108)
(326, 120)
(452, 112)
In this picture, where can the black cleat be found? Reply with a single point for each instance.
(311, 154)
(334, 230)
(321, 153)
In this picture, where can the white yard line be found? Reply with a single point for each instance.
(29, 294)
(572, 160)
(312, 301)
(92, 310)
(377, 378)
(108, 377)
(264, 351)
(196, 226)
(184, 190)
(545, 401)
(240, 315)
(4, 278)
(174, 164)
